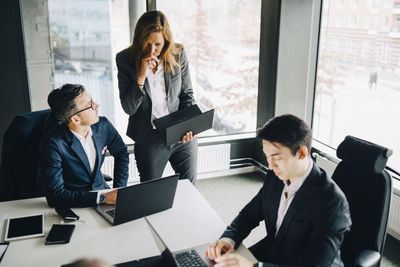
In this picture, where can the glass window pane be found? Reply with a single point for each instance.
(85, 38)
(222, 40)
(358, 88)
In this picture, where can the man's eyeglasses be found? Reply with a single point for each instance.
(90, 107)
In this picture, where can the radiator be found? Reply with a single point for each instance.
(394, 217)
(210, 159)
(393, 227)
(214, 158)
(108, 168)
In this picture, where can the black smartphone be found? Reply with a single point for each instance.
(67, 214)
(60, 234)
(3, 248)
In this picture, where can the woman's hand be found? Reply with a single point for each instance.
(149, 62)
(188, 137)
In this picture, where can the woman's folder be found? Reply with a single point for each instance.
(178, 123)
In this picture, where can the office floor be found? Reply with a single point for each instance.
(228, 194)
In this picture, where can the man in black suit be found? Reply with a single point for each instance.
(72, 152)
(306, 214)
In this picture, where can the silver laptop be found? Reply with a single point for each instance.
(140, 200)
(194, 256)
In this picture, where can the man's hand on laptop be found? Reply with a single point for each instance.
(111, 197)
(233, 259)
(218, 248)
(188, 137)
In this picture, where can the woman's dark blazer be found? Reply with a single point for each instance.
(138, 105)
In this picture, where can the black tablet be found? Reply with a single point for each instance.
(24, 227)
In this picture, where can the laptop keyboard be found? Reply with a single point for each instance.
(111, 212)
(189, 258)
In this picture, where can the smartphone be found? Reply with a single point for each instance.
(3, 248)
(67, 214)
(60, 234)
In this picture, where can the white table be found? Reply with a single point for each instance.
(190, 222)
(93, 237)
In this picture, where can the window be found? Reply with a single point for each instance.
(81, 38)
(339, 3)
(385, 23)
(365, 48)
(353, 21)
(222, 40)
(81, 42)
(350, 44)
(360, 96)
(338, 21)
(384, 52)
(354, 3)
(367, 22)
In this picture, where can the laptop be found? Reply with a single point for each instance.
(140, 200)
(194, 256)
(178, 123)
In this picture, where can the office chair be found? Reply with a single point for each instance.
(368, 188)
(19, 171)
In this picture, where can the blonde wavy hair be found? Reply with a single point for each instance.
(149, 22)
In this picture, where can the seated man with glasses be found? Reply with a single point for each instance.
(72, 152)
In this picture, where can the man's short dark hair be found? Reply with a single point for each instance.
(287, 130)
(62, 101)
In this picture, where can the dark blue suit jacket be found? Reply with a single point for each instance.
(312, 230)
(64, 166)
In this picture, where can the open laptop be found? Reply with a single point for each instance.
(178, 123)
(194, 256)
(140, 200)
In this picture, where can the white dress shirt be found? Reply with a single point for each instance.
(159, 107)
(288, 193)
(90, 151)
(285, 202)
(88, 146)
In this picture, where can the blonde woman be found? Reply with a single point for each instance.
(154, 80)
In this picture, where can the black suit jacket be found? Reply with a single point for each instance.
(312, 230)
(65, 170)
(138, 105)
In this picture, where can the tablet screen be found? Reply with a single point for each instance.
(24, 227)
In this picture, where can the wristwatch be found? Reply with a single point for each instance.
(102, 199)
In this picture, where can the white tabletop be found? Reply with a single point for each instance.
(93, 237)
(190, 222)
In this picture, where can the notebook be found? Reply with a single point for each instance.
(140, 200)
(178, 123)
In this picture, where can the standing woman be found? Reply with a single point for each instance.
(154, 80)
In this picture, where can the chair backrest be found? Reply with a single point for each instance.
(19, 169)
(367, 186)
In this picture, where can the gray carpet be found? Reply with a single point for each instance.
(228, 194)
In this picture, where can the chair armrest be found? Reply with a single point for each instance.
(368, 258)
(107, 177)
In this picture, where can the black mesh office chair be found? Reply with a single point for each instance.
(368, 188)
(19, 171)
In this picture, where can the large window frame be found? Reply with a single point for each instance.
(245, 145)
(318, 146)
